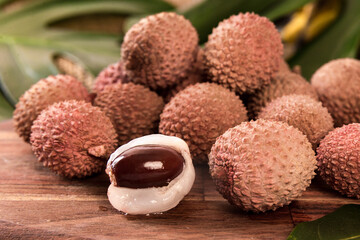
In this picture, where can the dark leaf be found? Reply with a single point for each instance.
(343, 224)
(340, 40)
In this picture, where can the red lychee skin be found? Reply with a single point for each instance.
(41, 95)
(73, 138)
(262, 165)
(243, 52)
(302, 112)
(338, 85)
(284, 83)
(160, 50)
(133, 109)
(338, 159)
(196, 75)
(114, 73)
(199, 114)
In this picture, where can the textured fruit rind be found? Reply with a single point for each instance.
(199, 114)
(73, 138)
(284, 83)
(338, 85)
(196, 75)
(262, 165)
(41, 95)
(133, 109)
(303, 113)
(114, 73)
(243, 52)
(338, 159)
(159, 50)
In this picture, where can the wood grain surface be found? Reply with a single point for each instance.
(37, 204)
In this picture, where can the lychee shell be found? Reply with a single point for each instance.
(338, 85)
(73, 138)
(301, 112)
(243, 52)
(338, 159)
(262, 165)
(159, 50)
(41, 95)
(199, 114)
(284, 83)
(133, 109)
(114, 73)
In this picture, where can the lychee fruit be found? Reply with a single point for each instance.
(303, 113)
(114, 73)
(159, 50)
(338, 85)
(262, 165)
(41, 95)
(73, 138)
(338, 159)
(243, 52)
(199, 114)
(133, 109)
(284, 83)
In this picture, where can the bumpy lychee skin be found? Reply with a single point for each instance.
(73, 138)
(41, 95)
(338, 85)
(196, 75)
(338, 159)
(302, 112)
(133, 109)
(284, 83)
(262, 165)
(199, 114)
(114, 73)
(159, 50)
(243, 52)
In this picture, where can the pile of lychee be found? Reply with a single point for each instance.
(166, 83)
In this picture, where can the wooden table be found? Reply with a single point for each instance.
(37, 204)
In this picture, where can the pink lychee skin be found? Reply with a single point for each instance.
(262, 165)
(42, 94)
(338, 159)
(243, 52)
(114, 73)
(337, 84)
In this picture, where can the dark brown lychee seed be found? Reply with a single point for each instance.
(147, 166)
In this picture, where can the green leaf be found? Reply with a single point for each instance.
(5, 109)
(342, 224)
(284, 8)
(340, 40)
(27, 44)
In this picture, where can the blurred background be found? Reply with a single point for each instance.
(43, 37)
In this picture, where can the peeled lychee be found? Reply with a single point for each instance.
(114, 73)
(199, 114)
(133, 109)
(301, 112)
(262, 165)
(159, 50)
(73, 138)
(284, 83)
(243, 52)
(338, 159)
(338, 85)
(41, 95)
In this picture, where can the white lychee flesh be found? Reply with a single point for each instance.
(153, 199)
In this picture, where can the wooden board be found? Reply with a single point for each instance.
(37, 204)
